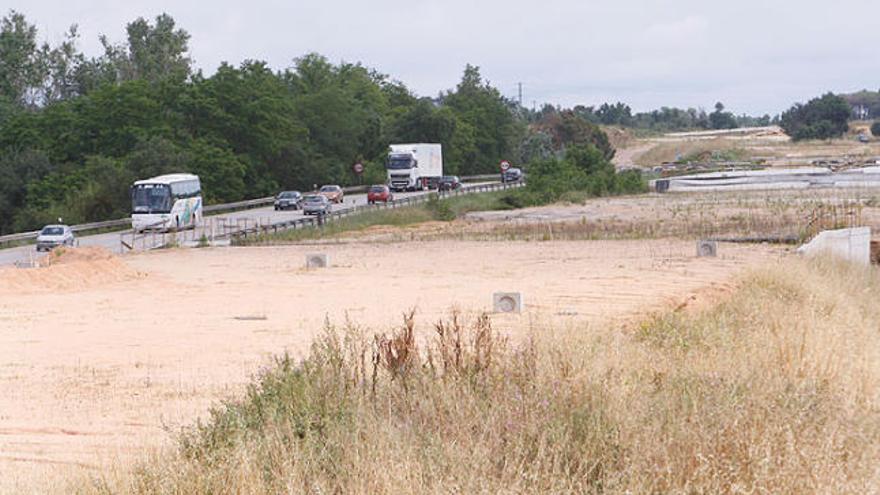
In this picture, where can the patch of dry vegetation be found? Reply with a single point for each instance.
(695, 150)
(789, 217)
(773, 390)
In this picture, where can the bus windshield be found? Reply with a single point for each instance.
(151, 198)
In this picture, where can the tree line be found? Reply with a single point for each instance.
(666, 119)
(75, 131)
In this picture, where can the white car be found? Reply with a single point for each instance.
(53, 236)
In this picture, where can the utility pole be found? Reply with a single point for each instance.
(520, 93)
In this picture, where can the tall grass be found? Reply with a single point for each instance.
(446, 209)
(773, 389)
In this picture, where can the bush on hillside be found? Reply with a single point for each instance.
(821, 118)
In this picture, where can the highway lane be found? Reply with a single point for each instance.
(111, 240)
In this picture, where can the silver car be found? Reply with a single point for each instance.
(316, 204)
(53, 236)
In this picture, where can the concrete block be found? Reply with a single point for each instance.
(507, 302)
(707, 248)
(317, 260)
(853, 245)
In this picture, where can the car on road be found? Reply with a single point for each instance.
(316, 204)
(332, 192)
(288, 200)
(53, 236)
(449, 183)
(379, 193)
(512, 175)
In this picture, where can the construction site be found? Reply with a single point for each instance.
(114, 356)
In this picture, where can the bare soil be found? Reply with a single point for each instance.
(102, 357)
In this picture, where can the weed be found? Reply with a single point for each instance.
(766, 390)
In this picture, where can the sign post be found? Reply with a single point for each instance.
(358, 169)
(505, 165)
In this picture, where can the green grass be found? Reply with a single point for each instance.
(433, 210)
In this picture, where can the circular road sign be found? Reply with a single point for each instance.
(505, 165)
(358, 168)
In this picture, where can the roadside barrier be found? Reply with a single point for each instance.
(218, 230)
(213, 209)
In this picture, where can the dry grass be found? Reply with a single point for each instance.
(772, 390)
(696, 150)
(771, 150)
(787, 216)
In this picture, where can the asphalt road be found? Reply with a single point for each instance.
(111, 240)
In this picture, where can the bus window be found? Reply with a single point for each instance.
(150, 198)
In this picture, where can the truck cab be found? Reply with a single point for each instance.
(402, 171)
(414, 166)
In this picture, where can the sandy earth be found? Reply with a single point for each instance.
(98, 356)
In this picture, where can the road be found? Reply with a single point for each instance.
(111, 240)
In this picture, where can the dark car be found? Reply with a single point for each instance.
(288, 200)
(449, 183)
(512, 175)
(379, 192)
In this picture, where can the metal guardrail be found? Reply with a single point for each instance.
(217, 228)
(238, 205)
(273, 227)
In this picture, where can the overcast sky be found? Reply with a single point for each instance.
(756, 56)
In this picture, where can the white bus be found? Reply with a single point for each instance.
(166, 202)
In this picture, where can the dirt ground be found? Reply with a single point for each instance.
(743, 215)
(769, 145)
(101, 357)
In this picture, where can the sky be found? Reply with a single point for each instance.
(755, 56)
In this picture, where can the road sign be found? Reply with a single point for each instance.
(505, 165)
(358, 168)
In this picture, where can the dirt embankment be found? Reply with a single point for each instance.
(100, 355)
(67, 269)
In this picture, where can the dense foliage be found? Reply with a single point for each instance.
(875, 128)
(821, 118)
(667, 119)
(76, 131)
(865, 104)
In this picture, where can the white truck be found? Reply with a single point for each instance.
(414, 166)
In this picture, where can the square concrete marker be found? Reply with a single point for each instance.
(507, 302)
(317, 260)
(706, 248)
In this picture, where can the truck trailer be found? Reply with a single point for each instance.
(414, 166)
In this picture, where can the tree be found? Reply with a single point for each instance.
(495, 128)
(17, 170)
(152, 52)
(617, 114)
(820, 118)
(719, 119)
(21, 65)
(875, 128)
(566, 129)
(222, 173)
(62, 65)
